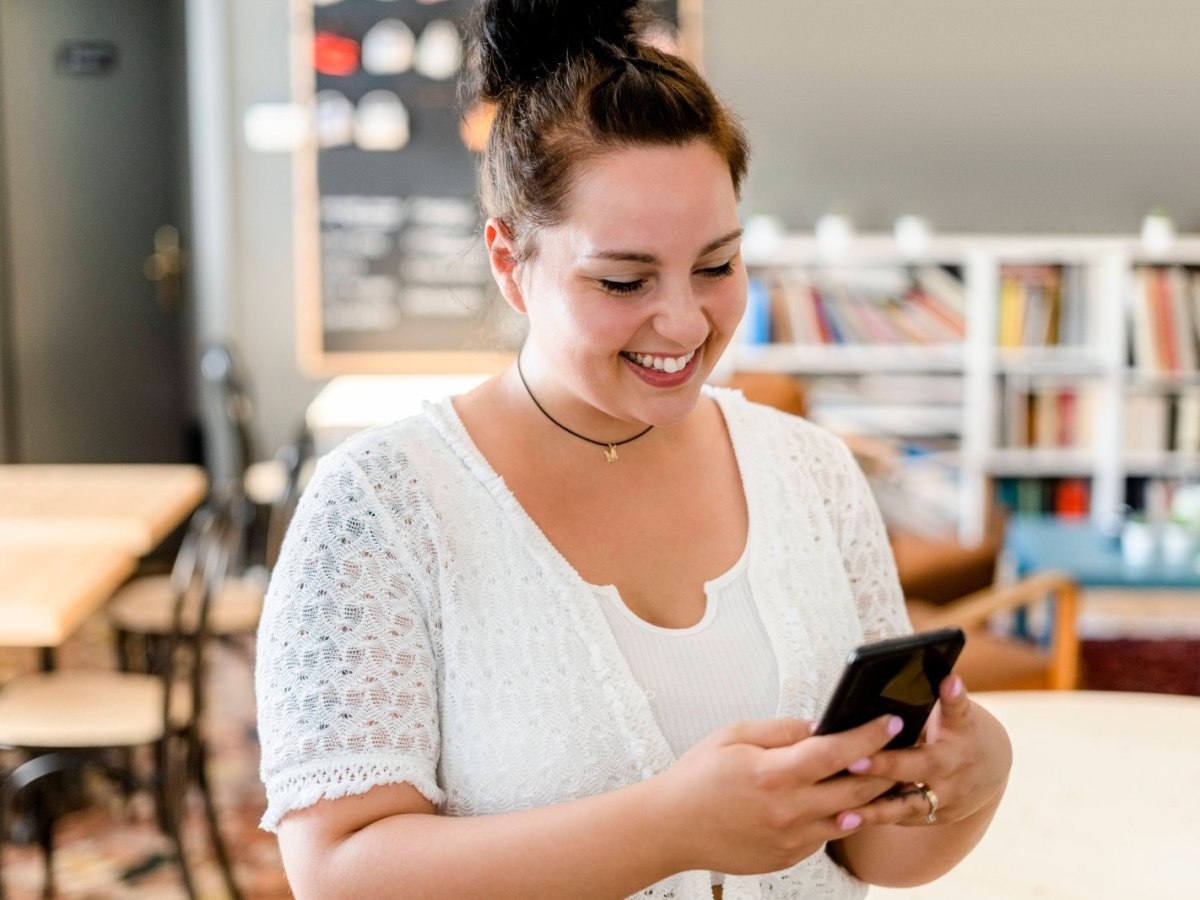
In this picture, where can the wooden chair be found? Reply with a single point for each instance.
(947, 584)
(264, 483)
(142, 610)
(67, 720)
(224, 375)
(1004, 660)
(299, 461)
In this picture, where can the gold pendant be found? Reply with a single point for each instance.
(610, 455)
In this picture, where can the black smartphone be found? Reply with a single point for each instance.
(898, 675)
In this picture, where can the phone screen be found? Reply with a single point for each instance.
(900, 676)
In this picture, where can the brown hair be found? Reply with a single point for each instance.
(570, 79)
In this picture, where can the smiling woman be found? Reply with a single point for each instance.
(642, 278)
(496, 661)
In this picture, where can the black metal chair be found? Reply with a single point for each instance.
(67, 720)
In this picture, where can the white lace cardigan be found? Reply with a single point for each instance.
(420, 628)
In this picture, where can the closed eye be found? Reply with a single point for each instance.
(717, 271)
(622, 287)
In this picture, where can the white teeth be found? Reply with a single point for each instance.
(668, 364)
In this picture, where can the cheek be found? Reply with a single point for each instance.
(730, 301)
(599, 322)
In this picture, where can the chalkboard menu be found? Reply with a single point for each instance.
(393, 272)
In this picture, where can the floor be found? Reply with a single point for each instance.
(114, 851)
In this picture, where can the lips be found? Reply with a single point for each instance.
(659, 374)
(668, 364)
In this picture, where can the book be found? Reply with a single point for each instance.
(1071, 499)
(1146, 422)
(1067, 406)
(944, 288)
(1163, 321)
(1144, 348)
(841, 327)
(1016, 412)
(1012, 311)
(801, 311)
(1046, 423)
(825, 325)
(878, 328)
(945, 325)
(781, 331)
(1036, 323)
(1187, 420)
(756, 323)
(1178, 288)
(1073, 314)
(1195, 292)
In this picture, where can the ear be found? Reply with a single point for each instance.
(502, 254)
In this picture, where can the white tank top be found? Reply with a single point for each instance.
(698, 679)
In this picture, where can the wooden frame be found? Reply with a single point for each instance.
(974, 610)
(315, 358)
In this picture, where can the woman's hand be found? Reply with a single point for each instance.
(761, 796)
(963, 759)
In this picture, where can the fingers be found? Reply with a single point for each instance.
(767, 733)
(953, 698)
(823, 756)
(908, 807)
(936, 756)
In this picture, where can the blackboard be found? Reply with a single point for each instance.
(392, 270)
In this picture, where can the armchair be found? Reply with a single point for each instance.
(946, 583)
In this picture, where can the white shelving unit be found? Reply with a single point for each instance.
(1108, 265)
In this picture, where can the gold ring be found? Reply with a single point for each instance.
(931, 798)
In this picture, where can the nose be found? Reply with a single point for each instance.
(681, 317)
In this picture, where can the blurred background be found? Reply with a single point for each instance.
(983, 117)
(232, 233)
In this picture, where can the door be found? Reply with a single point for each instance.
(92, 141)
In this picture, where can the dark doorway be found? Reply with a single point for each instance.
(93, 323)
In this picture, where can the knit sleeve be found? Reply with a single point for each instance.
(345, 677)
(867, 553)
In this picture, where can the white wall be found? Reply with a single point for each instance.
(263, 320)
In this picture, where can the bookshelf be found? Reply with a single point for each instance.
(1075, 365)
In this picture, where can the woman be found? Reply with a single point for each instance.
(563, 636)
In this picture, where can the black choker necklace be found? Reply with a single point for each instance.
(610, 449)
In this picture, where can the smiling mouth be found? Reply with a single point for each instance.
(668, 364)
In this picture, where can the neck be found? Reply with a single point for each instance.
(610, 446)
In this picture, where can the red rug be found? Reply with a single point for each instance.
(1165, 666)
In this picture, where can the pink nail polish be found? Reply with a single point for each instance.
(956, 686)
(895, 725)
(859, 766)
(850, 821)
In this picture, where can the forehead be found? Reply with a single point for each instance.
(650, 195)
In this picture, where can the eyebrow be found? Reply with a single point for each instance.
(630, 256)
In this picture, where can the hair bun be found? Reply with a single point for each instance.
(518, 42)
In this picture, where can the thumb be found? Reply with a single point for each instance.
(767, 733)
(953, 698)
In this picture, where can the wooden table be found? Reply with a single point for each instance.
(350, 403)
(47, 590)
(1103, 803)
(132, 506)
(70, 535)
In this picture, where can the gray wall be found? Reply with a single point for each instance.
(983, 115)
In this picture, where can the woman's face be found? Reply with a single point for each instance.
(632, 298)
